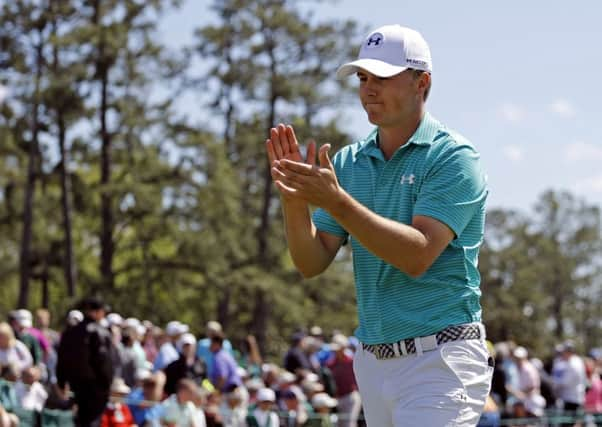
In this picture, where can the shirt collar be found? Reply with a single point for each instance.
(425, 134)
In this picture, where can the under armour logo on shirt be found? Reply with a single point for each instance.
(375, 39)
(407, 179)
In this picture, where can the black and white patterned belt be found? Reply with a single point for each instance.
(471, 331)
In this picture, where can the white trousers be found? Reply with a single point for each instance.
(445, 387)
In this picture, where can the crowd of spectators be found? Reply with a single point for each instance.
(105, 369)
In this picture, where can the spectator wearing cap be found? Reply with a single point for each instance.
(341, 366)
(179, 411)
(167, 351)
(225, 369)
(12, 351)
(528, 391)
(85, 363)
(295, 359)
(117, 414)
(20, 321)
(233, 410)
(188, 365)
(212, 328)
(323, 404)
(294, 406)
(569, 378)
(142, 400)
(263, 415)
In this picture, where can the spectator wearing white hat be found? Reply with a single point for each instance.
(323, 405)
(529, 381)
(20, 321)
(168, 352)
(263, 415)
(117, 414)
(568, 374)
(341, 366)
(188, 365)
(213, 328)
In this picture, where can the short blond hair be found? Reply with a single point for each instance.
(7, 331)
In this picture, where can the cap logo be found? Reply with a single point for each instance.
(374, 40)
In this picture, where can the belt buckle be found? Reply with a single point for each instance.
(428, 343)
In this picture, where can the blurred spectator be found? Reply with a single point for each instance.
(19, 321)
(568, 374)
(296, 413)
(13, 351)
(7, 419)
(142, 399)
(85, 363)
(296, 359)
(213, 328)
(263, 415)
(593, 395)
(491, 416)
(234, 410)
(31, 394)
(251, 357)
(198, 400)
(498, 392)
(179, 409)
(25, 319)
(341, 366)
(167, 351)
(8, 397)
(188, 364)
(323, 405)
(528, 392)
(225, 374)
(148, 341)
(117, 414)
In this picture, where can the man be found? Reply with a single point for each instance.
(224, 375)
(203, 351)
(411, 199)
(167, 351)
(85, 363)
(20, 321)
(568, 374)
(295, 359)
(187, 366)
(529, 381)
(341, 366)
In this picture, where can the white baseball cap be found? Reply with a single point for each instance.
(266, 395)
(388, 51)
(323, 400)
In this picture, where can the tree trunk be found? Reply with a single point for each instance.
(32, 160)
(69, 268)
(107, 246)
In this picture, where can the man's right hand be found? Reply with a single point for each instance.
(283, 144)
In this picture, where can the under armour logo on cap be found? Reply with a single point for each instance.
(374, 40)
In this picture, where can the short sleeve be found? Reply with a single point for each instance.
(454, 188)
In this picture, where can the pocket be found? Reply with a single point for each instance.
(472, 365)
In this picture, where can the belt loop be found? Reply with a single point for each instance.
(418, 345)
(482, 331)
(402, 347)
(395, 349)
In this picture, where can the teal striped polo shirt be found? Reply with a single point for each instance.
(437, 173)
